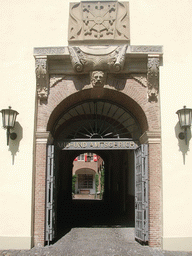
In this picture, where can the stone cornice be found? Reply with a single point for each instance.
(151, 137)
(141, 62)
(131, 49)
(146, 49)
(41, 51)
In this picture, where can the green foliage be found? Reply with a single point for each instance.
(96, 184)
(102, 181)
(74, 177)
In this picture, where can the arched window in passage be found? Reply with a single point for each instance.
(88, 177)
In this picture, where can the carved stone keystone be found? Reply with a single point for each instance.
(98, 78)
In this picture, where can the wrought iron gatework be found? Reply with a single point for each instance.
(50, 228)
(97, 119)
(141, 194)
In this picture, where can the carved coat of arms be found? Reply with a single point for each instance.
(99, 20)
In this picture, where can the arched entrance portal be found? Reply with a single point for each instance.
(99, 94)
(113, 132)
(87, 121)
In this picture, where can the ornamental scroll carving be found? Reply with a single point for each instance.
(84, 60)
(99, 20)
(42, 80)
(153, 78)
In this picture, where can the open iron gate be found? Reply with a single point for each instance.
(141, 194)
(50, 228)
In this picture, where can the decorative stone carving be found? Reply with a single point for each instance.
(42, 81)
(49, 51)
(120, 58)
(153, 78)
(98, 78)
(55, 79)
(146, 48)
(98, 21)
(77, 58)
(84, 60)
(141, 78)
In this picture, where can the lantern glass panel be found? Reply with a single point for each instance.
(185, 116)
(8, 117)
(188, 117)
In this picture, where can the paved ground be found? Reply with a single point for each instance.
(116, 241)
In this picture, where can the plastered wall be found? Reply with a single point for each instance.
(25, 25)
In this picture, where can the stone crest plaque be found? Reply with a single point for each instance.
(99, 21)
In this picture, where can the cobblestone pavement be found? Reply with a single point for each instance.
(96, 241)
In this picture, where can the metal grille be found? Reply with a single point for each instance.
(50, 231)
(141, 193)
(85, 181)
(97, 119)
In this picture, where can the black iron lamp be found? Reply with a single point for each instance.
(185, 116)
(8, 119)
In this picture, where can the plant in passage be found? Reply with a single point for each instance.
(74, 177)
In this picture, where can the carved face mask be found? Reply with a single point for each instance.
(97, 78)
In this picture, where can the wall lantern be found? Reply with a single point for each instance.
(8, 119)
(185, 116)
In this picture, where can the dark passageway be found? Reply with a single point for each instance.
(117, 207)
(90, 213)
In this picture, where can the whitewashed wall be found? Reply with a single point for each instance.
(28, 24)
(169, 23)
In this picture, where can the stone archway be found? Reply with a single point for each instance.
(146, 119)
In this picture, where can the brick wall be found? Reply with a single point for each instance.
(40, 182)
(155, 202)
(133, 97)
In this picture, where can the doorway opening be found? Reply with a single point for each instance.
(111, 206)
(109, 133)
(88, 176)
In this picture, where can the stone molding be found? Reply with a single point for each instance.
(43, 137)
(131, 49)
(98, 21)
(42, 77)
(117, 81)
(85, 61)
(177, 244)
(43, 51)
(109, 59)
(146, 49)
(16, 242)
(151, 137)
